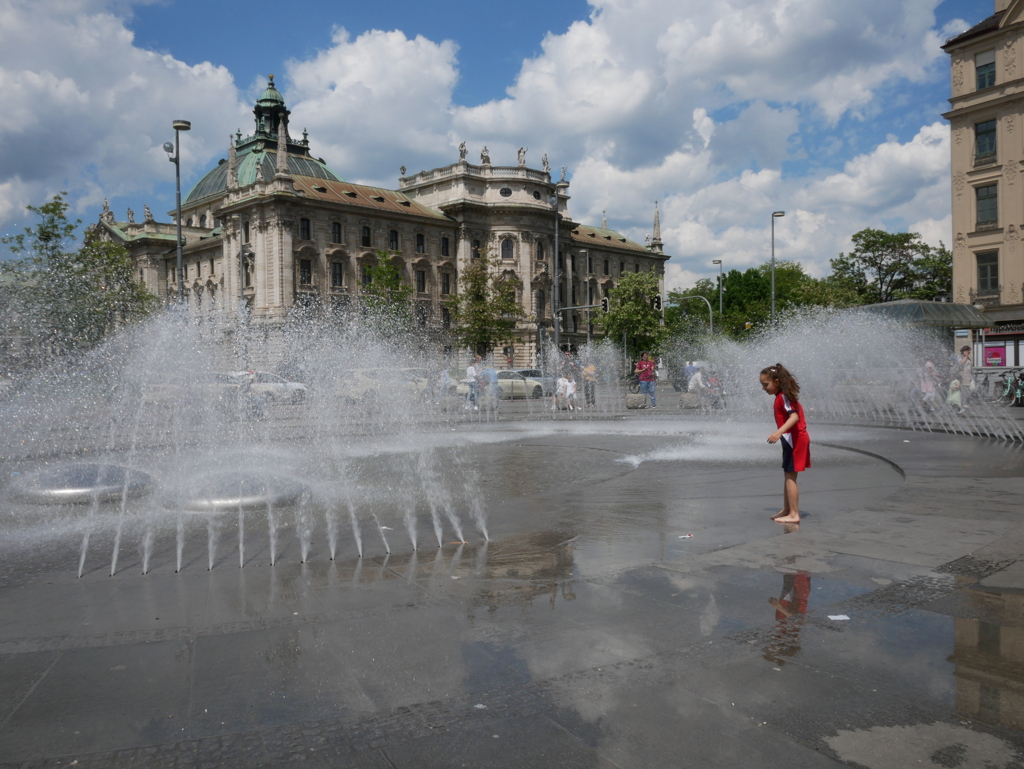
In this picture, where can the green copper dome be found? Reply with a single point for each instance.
(256, 155)
(270, 95)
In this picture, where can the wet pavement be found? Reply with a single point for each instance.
(634, 607)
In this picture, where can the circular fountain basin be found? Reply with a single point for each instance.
(81, 483)
(229, 491)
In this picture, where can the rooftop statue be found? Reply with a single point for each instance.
(485, 156)
(463, 151)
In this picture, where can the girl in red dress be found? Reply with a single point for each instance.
(792, 430)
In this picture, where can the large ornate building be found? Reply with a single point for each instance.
(301, 234)
(987, 122)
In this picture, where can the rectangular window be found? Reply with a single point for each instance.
(421, 244)
(988, 205)
(366, 237)
(304, 229)
(337, 273)
(985, 140)
(988, 271)
(245, 232)
(590, 264)
(606, 267)
(446, 318)
(211, 266)
(474, 250)
(305, 272)
(421, 281)
(636, 267)
(367, 279)
(985, 69)
(622, 267)
(445, 249)
(393, 240)
(446, 282)
(335, 232)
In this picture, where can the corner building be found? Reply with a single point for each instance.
(273, 224)
(987, 148)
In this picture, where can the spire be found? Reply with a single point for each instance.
(232, 165)
(604, 220)
(656, 244)
(282, 148)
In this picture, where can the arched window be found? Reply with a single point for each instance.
(507, 249)
(202, 220)
(540, 251)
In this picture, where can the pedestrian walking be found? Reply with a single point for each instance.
(645, 373)
(792, 431)
(570, 393)
(472, 374)
(561, 388)
(590, 386)
(966, 371)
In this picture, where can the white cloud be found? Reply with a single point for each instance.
(376, 101)
(86, 110)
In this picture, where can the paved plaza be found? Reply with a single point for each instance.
(618, 616)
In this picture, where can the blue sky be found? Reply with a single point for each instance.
(721, 111)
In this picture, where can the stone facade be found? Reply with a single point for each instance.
(303, 235)
(987, 154)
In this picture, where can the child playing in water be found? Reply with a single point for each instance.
(792, 430)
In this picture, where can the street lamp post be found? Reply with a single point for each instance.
(720, 284)
(711, 319)
(179, 126)
(558, 285)
(775, 215)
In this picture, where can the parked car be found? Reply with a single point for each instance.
(270, 386)
(367, 384)
(547, 382)
(512, 384)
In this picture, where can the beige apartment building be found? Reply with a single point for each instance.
(987, 146)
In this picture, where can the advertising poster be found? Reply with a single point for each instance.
(995, 356)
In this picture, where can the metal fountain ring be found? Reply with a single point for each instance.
(81, 483)
(228, 491)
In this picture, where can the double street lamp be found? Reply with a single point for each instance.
(720, 283)
(775, 215)
(174, 152)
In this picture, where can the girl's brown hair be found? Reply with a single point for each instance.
(787, 382)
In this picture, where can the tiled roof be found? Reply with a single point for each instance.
(598, 236)
(988, 25)
(375, 198)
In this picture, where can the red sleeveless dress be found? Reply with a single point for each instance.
(796, 444)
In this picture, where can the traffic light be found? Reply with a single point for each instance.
(656, 303)
(606, 304)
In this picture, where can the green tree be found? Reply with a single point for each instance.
(880, 267)
(386, 298)
(69, 299)
(486, 308)
(932, 274)
(631, 313)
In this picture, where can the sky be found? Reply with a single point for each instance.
(829, 110)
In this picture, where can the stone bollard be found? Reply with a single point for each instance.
(636, 401)
(689, 401)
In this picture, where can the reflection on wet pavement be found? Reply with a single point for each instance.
(621, 615)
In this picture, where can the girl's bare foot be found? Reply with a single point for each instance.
(791, 518)
(780, 514)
